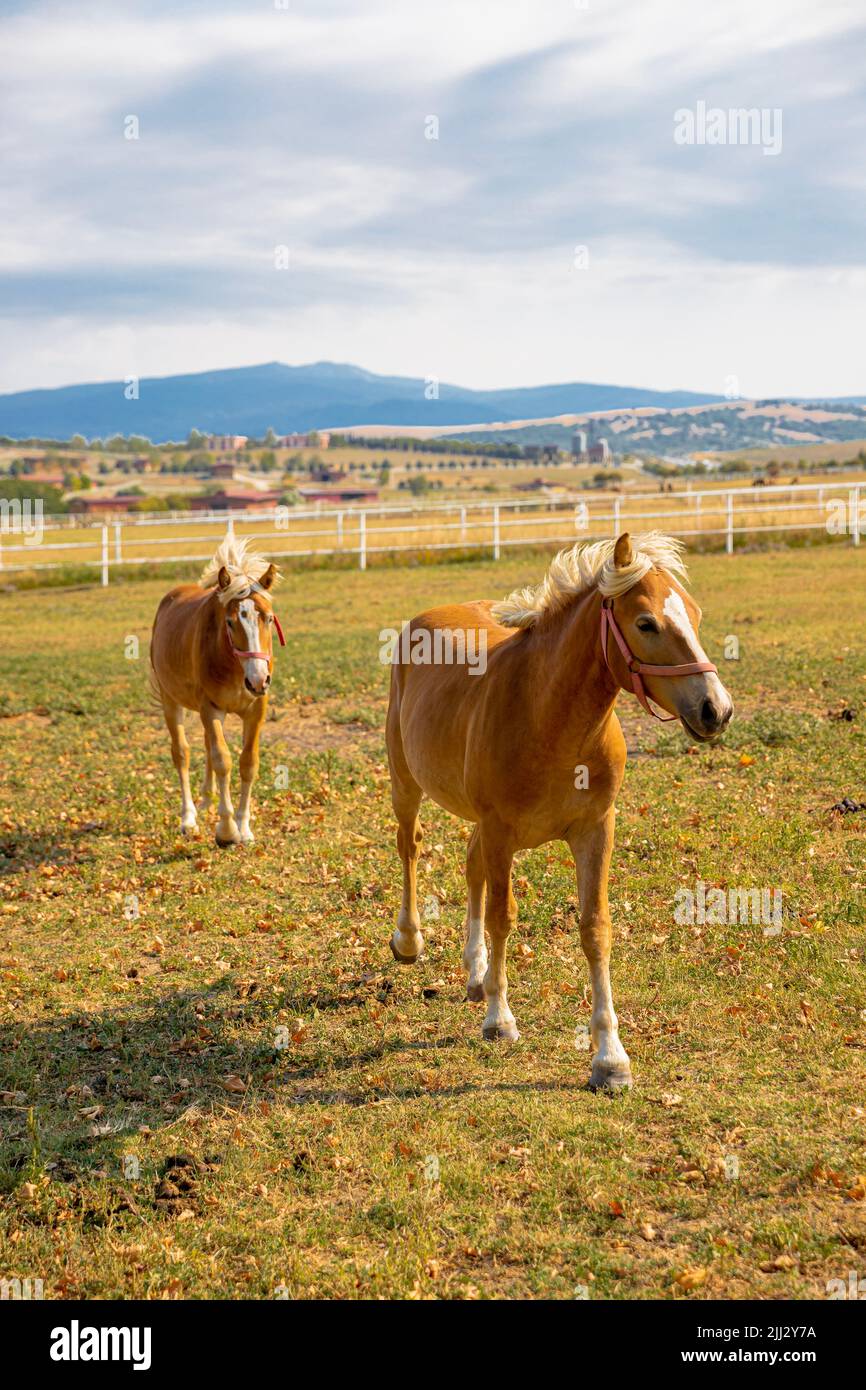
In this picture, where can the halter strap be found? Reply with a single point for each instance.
(642, 668)
(255, 656)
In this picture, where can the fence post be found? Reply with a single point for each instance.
(496, 532)
(362, 540)
(117, 550)
(855, 515)
(616, 516)
(104, 556)
(729, 541)
(339, 528)
(463, 524)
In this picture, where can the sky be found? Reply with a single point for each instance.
(490, 192)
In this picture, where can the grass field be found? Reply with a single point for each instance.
(160, 1140)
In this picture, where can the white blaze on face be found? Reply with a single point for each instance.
(255, 670)
(678, 616)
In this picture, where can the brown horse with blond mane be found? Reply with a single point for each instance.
(212, 651)
(531, 750)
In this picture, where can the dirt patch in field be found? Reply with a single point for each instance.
(32, 717)
(313, 729)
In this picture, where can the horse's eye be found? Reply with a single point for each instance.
(647, 625)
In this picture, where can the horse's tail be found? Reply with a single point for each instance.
(154, 687)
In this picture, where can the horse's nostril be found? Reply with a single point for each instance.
(709, 713)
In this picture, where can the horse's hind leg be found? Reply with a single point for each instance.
(180, 757)
(407, 941)
(475, 949)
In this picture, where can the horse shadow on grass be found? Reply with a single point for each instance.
(24, 850)
(77, 1089)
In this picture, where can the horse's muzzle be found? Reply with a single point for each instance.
(709, 719)
(252, 689)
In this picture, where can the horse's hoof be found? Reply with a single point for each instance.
(611, 1079)
(475, 994)
(189, 830)
(226, 844)
(500, 1032)
(404, 960)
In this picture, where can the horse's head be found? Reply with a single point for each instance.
(659, 621)
(250, 626)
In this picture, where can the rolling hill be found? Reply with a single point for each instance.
(684, 431)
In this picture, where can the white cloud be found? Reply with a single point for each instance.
(451, 257)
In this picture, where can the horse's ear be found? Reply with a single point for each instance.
(622, 551)
(268, 577)
(224, 579)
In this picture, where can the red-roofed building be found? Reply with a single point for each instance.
(236, 499)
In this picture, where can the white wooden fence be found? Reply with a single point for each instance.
(836, 508)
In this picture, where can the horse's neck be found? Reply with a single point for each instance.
(574, 692)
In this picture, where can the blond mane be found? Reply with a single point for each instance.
(587, 565)
(244, 566)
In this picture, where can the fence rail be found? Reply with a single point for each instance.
(41, 543)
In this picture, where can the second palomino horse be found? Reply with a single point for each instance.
(531, 750)
(212, 651)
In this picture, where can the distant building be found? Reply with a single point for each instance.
(223, 468)
(315, 439)
(236, 500)
(226, 443)
(144, 465)
(578, 443)
(339, 495)
(82, 505)
(324, 473)
(537, 485)
(52, 479)
(597, 452)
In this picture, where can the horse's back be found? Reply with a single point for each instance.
(437, 694)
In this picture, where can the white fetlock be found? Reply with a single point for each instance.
(227, 832)
(407, 945)
(476, 968)
(499, 1023)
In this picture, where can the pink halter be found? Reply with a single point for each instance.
(639, 668)
(256, 656)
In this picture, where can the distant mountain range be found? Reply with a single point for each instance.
(332, 395)
(324, 395)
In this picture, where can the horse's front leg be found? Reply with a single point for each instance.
(249, 765)
(592, 849)
(208, 781)
(500, 918)
(227, 832)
